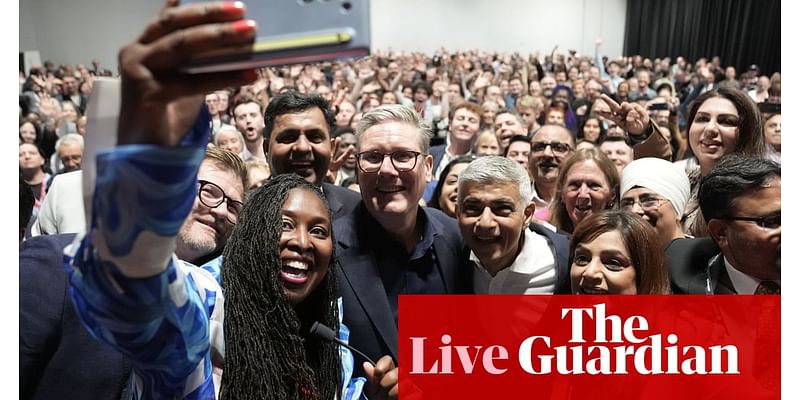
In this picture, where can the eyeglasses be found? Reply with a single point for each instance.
(212, 196)
(557, 147)
(647, 203)
(402, 160)
(772, 221)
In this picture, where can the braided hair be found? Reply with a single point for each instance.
(269, 353)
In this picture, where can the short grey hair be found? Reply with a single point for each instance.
(494, 169)
(395, 113)
(70, 138)
(227, 127)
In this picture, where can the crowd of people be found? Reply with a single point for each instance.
(239, 210)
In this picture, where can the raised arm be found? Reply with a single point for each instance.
(128, 287)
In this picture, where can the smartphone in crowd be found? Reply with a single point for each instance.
(292, 32)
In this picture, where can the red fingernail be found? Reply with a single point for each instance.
(245, 25)
(233, 7)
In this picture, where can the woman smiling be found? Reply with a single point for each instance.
(616, 252)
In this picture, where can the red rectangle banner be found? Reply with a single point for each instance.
(589, 347)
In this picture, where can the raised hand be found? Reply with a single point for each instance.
(631, 117)
(159, 101)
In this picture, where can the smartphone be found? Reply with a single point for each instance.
(293, 32)
(659, 106)
(769, 108)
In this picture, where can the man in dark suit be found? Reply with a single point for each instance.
(741, 200)
(71, 92)
(390, 245)
(509, 254)
(298, 140)
(58, 358)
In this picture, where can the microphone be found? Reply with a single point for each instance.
(329, 335)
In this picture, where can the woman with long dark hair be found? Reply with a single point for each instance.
(278, 278)
(721, 121)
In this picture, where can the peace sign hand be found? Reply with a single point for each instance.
(631, 117)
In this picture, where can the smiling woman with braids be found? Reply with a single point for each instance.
(278, 280)
(246, 314)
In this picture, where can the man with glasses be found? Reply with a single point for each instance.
(550, 146)
(389, 245)
(221, 179)
(741, 200)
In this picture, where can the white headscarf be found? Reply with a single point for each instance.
(660, 176)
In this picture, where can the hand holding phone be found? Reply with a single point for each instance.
(294, 32)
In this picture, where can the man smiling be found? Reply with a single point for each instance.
(494, 209)
(297, 140)
(389, 245)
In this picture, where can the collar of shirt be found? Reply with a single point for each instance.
(533, 271)
(742, 283)
(380, 237)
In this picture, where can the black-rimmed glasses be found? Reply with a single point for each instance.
(212, 196)
(772, 221)
(402, 160)
(557, 147)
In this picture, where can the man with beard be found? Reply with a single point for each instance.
(249, 119)
(548, 83)
(550, 146)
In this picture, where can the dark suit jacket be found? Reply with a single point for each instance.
(58, 359)
(696, 263)
(366, 308)
(560, 243)
(437, 152)
(341, 200)
(84, 101)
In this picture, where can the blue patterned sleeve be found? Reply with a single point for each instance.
(352, 388)
(127, 286)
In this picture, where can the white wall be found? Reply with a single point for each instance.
(504, 25)
(76, 31)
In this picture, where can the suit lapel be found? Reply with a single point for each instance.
(363, 279)
(358, 266)
(333, 200)
(719, 275)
